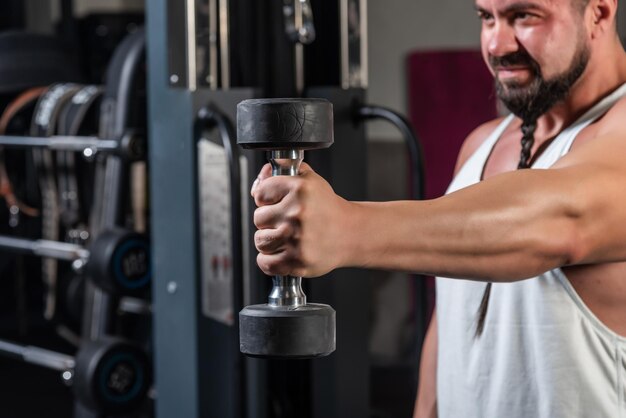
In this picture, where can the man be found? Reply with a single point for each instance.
(546, 339)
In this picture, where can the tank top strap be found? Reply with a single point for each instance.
(472, 169)
(564, 141)
(484, 150)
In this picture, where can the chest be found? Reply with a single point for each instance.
(505, 154)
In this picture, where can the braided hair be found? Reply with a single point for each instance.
(528, 140)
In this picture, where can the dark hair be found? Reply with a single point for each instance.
(528, 140)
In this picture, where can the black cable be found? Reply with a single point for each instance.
(414, 147)
(210, 117)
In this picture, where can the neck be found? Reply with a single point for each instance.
(598, 80)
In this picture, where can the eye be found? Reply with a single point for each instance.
(484, 16)
(522, 16)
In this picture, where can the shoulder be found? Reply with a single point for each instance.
(474, 140)
(606, 146)
(613, 120)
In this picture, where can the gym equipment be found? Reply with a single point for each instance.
(44, 124)
(33, 60)
(117, 260)
(130, 145)
(287, 326)
(363, 112)
(18, 105)
(220, 213)
(109, 375)
(75, 190)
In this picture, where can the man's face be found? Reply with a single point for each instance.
(536, 49)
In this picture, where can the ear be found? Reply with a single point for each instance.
(600, 16)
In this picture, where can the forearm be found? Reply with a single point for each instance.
(510, 227)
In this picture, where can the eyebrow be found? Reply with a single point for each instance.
(512, 8)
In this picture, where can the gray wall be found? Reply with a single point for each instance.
(397, 27)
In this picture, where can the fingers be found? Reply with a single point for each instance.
(305, 169)
(266, 173)
(281, 202)
(275, 256)
(270, 215)
(279, 265)
(272, 241)
(273, 265)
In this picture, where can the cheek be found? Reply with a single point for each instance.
(553, 53)
(540, 47)
(484, 47)
(486, 60)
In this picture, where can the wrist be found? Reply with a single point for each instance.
(356, 235)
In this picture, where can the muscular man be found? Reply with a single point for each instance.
(546, 336)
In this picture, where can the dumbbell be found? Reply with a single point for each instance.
(117, 260)
(287, 326)
(109, 375)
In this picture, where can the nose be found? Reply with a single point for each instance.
(501, 39)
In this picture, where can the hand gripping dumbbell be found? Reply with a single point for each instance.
(287, 326)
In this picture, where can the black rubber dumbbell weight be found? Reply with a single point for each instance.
(111, 375)
(119, 261)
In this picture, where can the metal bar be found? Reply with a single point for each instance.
(213, 45)
(190, 16)
(62, 143)
(364, 44)
(135, 306)
(44, 248)
(38, 356)
(345, 48)
(224, 43)
(299, 48)
(353, 43)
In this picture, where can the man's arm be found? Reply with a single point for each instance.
(509, 227)
(426, 404)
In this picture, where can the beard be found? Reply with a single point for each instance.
(530, 101)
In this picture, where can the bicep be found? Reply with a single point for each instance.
(594, 176)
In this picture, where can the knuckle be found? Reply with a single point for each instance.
(265, 241)
(299, 186)
(265, 218)
(295, 213)
(261, 197)
(273, 265)
(261, 261)
(255, 218)
(258, 240)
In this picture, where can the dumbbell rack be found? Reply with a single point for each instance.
(111, 154)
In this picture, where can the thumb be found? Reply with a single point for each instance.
(265, 173)
(305, 168)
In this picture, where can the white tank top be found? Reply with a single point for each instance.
(543, 353)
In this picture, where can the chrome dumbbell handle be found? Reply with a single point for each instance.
(287, 290)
